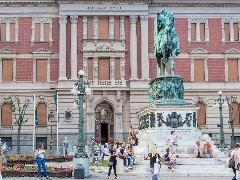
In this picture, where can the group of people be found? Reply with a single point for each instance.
(203, 151)
(123, 151)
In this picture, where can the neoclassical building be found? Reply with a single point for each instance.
(43, 45)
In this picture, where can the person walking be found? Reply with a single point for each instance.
(39, 154)
(233, 156)
(112, 161)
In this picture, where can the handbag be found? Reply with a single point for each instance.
(231, 163)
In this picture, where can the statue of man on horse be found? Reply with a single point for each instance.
(166, 42)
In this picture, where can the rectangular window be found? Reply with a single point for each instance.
(90, 68)
(193, 31)
(236, 31)
(117, 28)
(199, 70)
(7, 70)
(46, 31)
(7, 140)
(117, 69)
(41, 140)
(90, 28)
(227, 31)
(104, 69)
(202, 31)
(232, 70)
(37, 32)
(103, 28)
(41, 70)
(3, 31)
(12, 32)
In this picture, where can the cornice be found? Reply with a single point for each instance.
(28, 3)
(103, 1)
(194, 3)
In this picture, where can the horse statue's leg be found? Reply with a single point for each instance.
(173, 66)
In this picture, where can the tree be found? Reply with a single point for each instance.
(20, 112)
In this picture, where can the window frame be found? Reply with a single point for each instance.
(232, 54)
(198, 21)
(42, 21)
(199, 53)
(1, 116)
(231, 21)
(41, 54)
(8, 21)
(8, 54)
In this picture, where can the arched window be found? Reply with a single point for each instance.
(42, 114)
(235, 113)
(201, 117)
(6, 114)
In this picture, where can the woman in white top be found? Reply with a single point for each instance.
(39, 154)
(234, 156)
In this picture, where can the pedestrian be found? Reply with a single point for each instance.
(234, 156)
(112, 160)
(39, 154)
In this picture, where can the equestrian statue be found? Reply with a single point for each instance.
(166, 42)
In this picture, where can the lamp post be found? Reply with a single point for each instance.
(51, 117)
(220, 103)
(81, 89)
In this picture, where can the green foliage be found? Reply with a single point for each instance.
(104, 163)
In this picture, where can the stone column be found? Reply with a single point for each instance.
(231, 31)
(111, 28)
(85, 29)
(95, 70)
(62, 48)
(133, 47)
(122, 61)
(74, 20)
(198, 31)
(122, 29)
(112, 68)
(144, 47)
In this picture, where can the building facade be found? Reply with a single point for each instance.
(44, 44)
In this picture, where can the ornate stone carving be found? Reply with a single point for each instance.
(104, 47)
(112, 67)
(42, 51)
(8, 19)
(122, 28)
(152, 120)
(85, 19)
(95, 64)
(232, 51)
(74, 19)
(122, 64)
(167, 90)
(41, 19)
(95, 27)
(63, 19)
(7, 51)
(197, 19)
(133, 19)
(144, 18)
(159, 119)
(230, 19)
(118, 96)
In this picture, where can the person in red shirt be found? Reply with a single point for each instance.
(207, 148)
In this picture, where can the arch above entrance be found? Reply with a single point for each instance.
(104, 123)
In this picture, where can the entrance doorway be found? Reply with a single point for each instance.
(104, 123)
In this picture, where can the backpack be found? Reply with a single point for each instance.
(231, 163)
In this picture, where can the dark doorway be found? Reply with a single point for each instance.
(104, 133)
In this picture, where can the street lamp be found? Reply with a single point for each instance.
(81, 88)
(50, 118)
(220, 103)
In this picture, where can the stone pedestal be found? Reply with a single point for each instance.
(85, 162)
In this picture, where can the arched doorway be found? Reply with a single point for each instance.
(104, 123)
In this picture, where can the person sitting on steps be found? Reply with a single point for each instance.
(198, 150)
(207, 149)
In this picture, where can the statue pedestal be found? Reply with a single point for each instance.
(158, 122)
(85, 163)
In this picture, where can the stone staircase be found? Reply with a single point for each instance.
(190, 166)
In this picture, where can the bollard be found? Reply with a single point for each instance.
(79, 172)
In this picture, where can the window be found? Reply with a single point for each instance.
(198, 30)
(42, 30)
(199, 74)
(230, 29)
(117, 28)
(90, 68)
(232, 69)
(117, 69)
(201, 117)
(235, 113)
(90, 28)
(7, 140)
(41, 140)
(7, 70)
(103, 28)
(42, 114)
(41, 70)
(104, 69)
(9, 30)
(6, 115)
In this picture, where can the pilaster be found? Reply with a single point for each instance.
(122, 62)
(111, 28)
(112, 68)
(74, 20)
(133, 47)
(144, 47)
(95, 68)
(62, 48)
